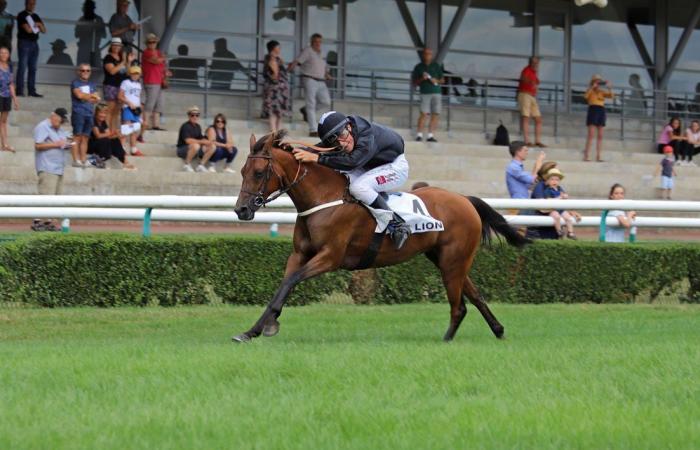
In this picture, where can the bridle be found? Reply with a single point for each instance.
(259, 200)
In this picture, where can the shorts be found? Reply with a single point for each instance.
(110, 93)
(527, 104)
(430, 103)
(666, 182)
(596, 116)
(82, 123)
(129, 116)
(154, 98)
(50, 184)
(5, 104)
(183, 149)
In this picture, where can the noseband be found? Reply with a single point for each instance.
(259, 199)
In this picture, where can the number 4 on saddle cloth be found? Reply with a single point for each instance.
(411, 209)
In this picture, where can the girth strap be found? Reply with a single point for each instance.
(371, 252)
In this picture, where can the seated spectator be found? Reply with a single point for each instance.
(222, 141)
(50, 140)
(104, 142)
(692, 143)
(624, 219)
(672, 135)
(83, 97)
(130, 98)
(547, 232)
(58, 55)
(553, 189)
(121, 26)
(8, 98)
(518, 180)
(191, 142)
(184, 69)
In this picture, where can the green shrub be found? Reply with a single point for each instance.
(114, 270)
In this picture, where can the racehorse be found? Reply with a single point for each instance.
(334, 232)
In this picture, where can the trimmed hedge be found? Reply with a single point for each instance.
(113, 270)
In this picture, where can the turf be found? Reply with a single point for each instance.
(343, 376)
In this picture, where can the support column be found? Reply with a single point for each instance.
(432, 24)
(660, 54)
(157, 10)
(452, 31)
(172, 22)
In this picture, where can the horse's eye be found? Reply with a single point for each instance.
(258, 174)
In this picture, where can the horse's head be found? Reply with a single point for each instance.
(260, 178)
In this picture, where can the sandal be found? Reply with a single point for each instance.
(540, 145)
(571, 236)
(9, 148)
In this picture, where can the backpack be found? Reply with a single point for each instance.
(502, 137)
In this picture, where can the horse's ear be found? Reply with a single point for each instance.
(252, 142)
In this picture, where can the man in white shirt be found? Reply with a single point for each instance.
(314, 73)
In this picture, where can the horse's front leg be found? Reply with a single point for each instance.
(296, 272)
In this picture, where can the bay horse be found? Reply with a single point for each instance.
(334, 232)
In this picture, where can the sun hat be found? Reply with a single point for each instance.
(553, 172)
(668, 149)
(59, 43)
(546, 167)
(134, 69)
(116, 41)
(193, 109)
(151, 38)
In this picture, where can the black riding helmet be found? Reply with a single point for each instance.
(330, 126)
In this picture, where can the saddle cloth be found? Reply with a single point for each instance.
(411, 209)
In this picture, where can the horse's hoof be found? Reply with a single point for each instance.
(241, 339)
(500, 332)
(271, 329)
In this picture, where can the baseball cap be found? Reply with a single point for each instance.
(62, 113)
(668, 149)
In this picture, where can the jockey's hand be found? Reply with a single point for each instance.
(304, 156)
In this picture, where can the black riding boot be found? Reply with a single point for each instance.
(399, 230)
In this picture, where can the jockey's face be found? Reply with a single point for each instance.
(345, 139)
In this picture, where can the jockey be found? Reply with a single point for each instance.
(372, 155)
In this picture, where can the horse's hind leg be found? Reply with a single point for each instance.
(472, 293)
(458, 310)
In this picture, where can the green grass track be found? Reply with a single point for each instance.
(343, 376)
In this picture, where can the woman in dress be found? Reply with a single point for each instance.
(7, 97)
(115, 65)
(275, 87)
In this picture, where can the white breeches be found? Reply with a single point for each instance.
(365, 184)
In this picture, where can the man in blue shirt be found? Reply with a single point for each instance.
(517, 179)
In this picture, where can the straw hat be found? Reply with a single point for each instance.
(116, 41)
(193, 109)
(134, 69)
(151, 38)
(546, 167)
(553, 172)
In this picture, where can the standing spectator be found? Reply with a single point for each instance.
(90, 30)
(154, 73)
(83, 97)
(224, 64)
(58, 54)
(7, 23)
(222, 141)
(517, 180)
(554, 190)
(7, 97)
(121, 25)
(276, 87)
(665, 168)
(104, 142)
(672, 135)
(692, 142)
(29, 25)
(527, 102)
(314, 73)
(130, 98)
(114, 65)
(625, 220)
(49, 142)
(428, 76)
(595, 120)
(191, 142)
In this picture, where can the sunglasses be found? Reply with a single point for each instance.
(220, 121)
(85, 70)
(333, 139)
(194, 114)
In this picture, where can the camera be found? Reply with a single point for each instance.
(602, 83)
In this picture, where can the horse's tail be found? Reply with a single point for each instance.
(491, 220)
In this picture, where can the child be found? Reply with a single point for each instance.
(625, 220)
(554, 190)
(130, 97)
(667, 173)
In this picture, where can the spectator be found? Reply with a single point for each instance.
(595, 120)
(154, 73)
(635, 104)
(547, 232)
(692, 142)
(114, 65)
(517, 180)
(625, 220)
(314, 73)
(58, 55)
(7, 23)
(553, 189)
(104, 142)
(428, 76)
(121, 26)
(90, 30)
(665, 168)
(49, 142)
(7, 97)
(276, 87)
(184, 69)
(224, 64)
(527, 102)
(130, 98)
(29, 25)
(191, 142)
(222, 141)
(83, 97)
(672, 135)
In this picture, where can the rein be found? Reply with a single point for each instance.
(259, 199)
